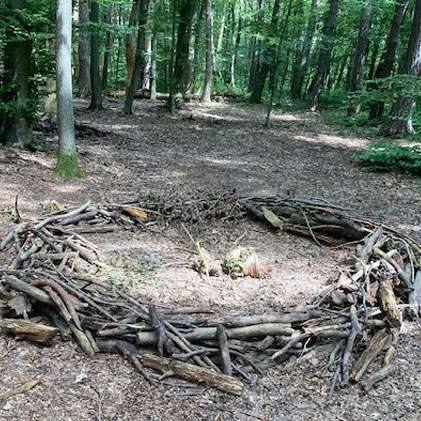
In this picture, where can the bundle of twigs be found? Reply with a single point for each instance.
(354, 320)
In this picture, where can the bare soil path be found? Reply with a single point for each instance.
(224, 148)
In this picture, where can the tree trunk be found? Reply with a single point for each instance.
(270, 52)
(108, 45)
(318, 79)
(374, 54)
(134, 83)
(67, 165)
(197, 44)
(153, 66)
(84, 58)
(96, 97)
(171, 83)
(206, 96)
(17, 53)
(400, 119)
(130, 42)
(387, 59)
(255, 61)
(233, 53)
(360, 56)
(220, 38)
(302, 57)
(182, 67)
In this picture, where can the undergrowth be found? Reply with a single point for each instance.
(388, 156)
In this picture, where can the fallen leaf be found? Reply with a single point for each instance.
(20, 389)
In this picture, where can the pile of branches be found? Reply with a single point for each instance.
(354, 321)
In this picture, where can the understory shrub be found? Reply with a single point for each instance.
(389, 156)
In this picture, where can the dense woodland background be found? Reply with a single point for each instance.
(361, 58)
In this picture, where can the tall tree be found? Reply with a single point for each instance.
(67, 165)
(400, 119)
(303, 54)
(96, 96)
(84, 58)
(182, 66)
(206, 96)
(256, 46)
(356, 83)
(109, 39)
(387, 60)
(269, 54)
(134, 83)
(15, 128)
(325, 46)
(131, 41)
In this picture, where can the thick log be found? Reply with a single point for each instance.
(30, 331)
(204, 333)
(373, 349)
(193, 373)
(34, 292)
(388, 302)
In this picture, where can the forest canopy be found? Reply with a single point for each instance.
(362, 56)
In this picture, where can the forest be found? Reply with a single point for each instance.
(210, 208)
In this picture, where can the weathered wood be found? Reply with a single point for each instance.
(255, 319)
(378, 376)
(373, 349)
(355, 332)
(204, 333)
(30, 331)
(415, 295)
(193, 373)
(82, 340)
(34, 292)
(224, 353)
(388, 301)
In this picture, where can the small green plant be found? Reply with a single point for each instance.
(11, 211)
(388, 156)
(49, 204)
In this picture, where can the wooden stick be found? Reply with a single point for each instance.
(193, 373)
(355, 331)
(224, 350)
(373, 349)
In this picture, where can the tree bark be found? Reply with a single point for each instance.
(206, 96)
(182, 67)
(387, 59)
(360, 56)
(301, 60)
(84, 58)
(67, 165)
(127, 109)
(270, 52)
(96, 97)
(108, 45)
(130, 42)
(400, 119)
(318, 79)
(254, 69)
(15, 130)
(153, 66)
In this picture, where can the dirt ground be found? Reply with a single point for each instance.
(223, 147)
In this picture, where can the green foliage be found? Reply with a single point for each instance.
(49, 204)
(12, 212)
(388, 156)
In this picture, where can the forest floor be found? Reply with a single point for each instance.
(223, 147)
